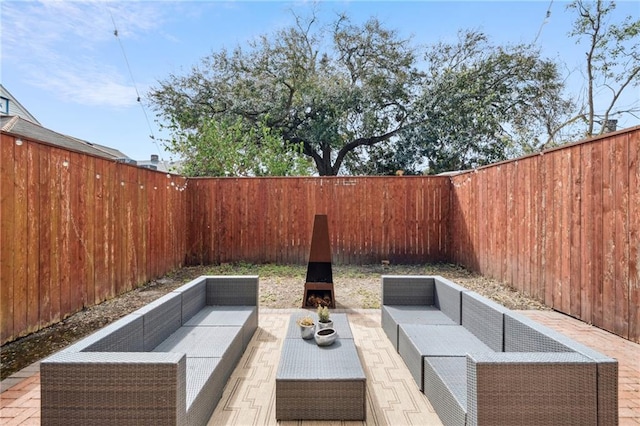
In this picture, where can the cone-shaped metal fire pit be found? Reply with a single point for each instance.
(318, 288)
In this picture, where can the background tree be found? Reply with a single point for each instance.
(479, 102)
(223, 148)
(329, 98)
(351, 98)
(612, 62)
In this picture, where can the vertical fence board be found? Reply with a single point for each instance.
(495, 236)
(55, 259)
(474, 221)
(375, 219)
(598, 234)
(547, 229)
(621, 224)
(7, 219)
(118, 236)
(587, 233)
(159, 213)
(528, 232)
(44, 237)
(66, 239)
(510, 260)
(20, 238)
(501, 212)
(575, 242)
(560, 225)
(33, 237)
(439, 235)
(156, 220)
(634, 237)
(299, 221)
(100, 245)
(131, 227)
(90, 226)
(520, 247)
(536, 290)
(431, 205)
(608, 236)
(210, 218)
(480, 218)
(77, 216)
(143, 218)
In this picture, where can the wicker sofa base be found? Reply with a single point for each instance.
(164, 364)
(493, 366)
(338, 400)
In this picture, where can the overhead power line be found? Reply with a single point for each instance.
(544, 22)
(135, 86)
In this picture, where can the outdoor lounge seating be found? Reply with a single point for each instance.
(164, 364)
(479, 363)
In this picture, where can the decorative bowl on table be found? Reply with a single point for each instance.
(325, 336)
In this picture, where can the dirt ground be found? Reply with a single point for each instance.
(281, 286)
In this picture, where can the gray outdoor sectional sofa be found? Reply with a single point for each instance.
(479, 363)
(164, 364)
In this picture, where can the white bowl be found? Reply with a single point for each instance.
(325, 336)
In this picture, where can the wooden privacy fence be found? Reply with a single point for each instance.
(563, 227)
(77, 230)
(402, 220)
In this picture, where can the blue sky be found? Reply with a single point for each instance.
(61, 60)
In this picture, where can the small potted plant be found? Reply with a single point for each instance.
(307, 327)
(323, 318)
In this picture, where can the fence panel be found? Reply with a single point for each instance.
(401, 219)
(562, 227)
(75, 232)
(572, 228)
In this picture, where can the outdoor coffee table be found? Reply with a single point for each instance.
(320, 382)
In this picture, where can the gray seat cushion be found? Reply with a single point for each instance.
(221, 316)
(425, 315)
(445, 385)
(443, 340)
(191, 341)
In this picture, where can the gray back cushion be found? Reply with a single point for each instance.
(124, 335)
(522, 334)
(484, 319)
(448, 298)
(194, 298)
(239, 290)
(161, 318)
(408, 290)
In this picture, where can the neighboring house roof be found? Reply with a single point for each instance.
(29, 130)
(15, 119)
(9, 105)
(155, 163)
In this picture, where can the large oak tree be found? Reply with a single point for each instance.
(360, 99)
(330, 89)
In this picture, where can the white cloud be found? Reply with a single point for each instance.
(84, 85)
(67, 47)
